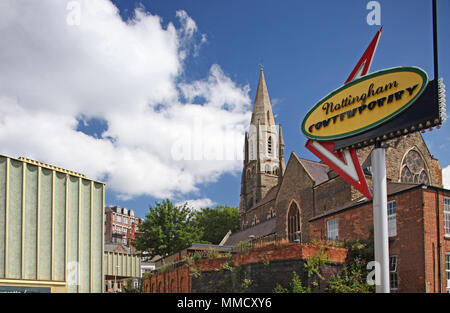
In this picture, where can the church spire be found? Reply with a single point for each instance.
(262, 108)
(282, 165)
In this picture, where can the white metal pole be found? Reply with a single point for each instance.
(380, 219)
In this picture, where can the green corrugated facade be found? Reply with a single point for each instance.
(51, 228)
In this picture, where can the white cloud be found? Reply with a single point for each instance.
(197, 204)
(126, 73)
(446, 177)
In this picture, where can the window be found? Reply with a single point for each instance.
(447, 216)
(294, 223)
(332, 228)
(393, 278)
(447, 270)
(125, 220)
(275, 170)
(392, 218)
(271, 213)
(269, 145)
(268, 169)
(413, 169)
(119, 219)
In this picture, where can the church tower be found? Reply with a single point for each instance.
(264, 163)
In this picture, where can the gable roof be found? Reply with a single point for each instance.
(271, 195)
(317, 170)
(259, 230)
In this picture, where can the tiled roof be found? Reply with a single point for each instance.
(271, 195)
(259, 230)
(317, 170)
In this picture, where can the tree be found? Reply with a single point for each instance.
(216, 222)
(129, 288)
(167, 229)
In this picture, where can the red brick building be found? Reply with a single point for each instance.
(419, 234)
(121, 225)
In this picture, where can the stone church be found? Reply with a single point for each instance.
(279, 200)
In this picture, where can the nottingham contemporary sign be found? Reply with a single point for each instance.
(365, 103)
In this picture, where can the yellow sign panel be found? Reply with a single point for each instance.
(364, 103)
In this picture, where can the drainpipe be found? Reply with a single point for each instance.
(438, 241)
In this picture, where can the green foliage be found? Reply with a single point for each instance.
(296, 286)
(216, 222)
(314, 264)
(280, 289)
(243, 245)
(246, 284)
(167, 229)
(197, 256)
(352, 279)
(195, 273)
(129, 288)
(147, 274)
(362, 248)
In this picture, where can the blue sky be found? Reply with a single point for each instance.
(307, 48)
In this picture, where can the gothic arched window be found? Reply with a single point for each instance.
(413, 169)
(294, 222)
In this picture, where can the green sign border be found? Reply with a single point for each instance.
(414, 69)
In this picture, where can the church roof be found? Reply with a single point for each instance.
(271, 195)
(318, 171)
(259, 230)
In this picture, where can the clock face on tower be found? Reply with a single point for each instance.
(413, 169)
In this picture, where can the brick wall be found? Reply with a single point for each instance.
(180, 280)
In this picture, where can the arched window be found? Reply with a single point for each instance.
(271, 213)
(250, 144)
(413, 169)
(249, 174)
(275, 170)
(293, 222)
(269, 145)
(255, 220)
